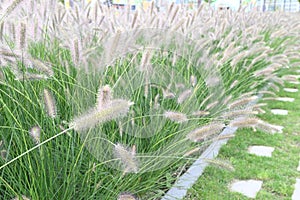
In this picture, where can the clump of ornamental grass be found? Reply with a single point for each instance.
(83, 30)
(115, 109)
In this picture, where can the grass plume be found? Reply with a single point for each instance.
(205, 131)
(117, 108)
(50, 103)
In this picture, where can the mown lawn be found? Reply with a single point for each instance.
(278, 173)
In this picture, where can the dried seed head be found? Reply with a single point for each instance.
(184, 95)
(259, 110)
(134, 19)
(205, 131)
(31, 77)
(127, 157)
(114, 45)
(167, 94)
(227, 99)
(76, 52)
(244, 122)
(212, 105)
(35, 133)
(156, 101)
(274, 87)
(233, 84)
(290, 78)
(264, 72)
(146, 61)
(23, 197)
(22, 39)
(39, 65)
(104, 97)
(174, 14)
(3, 154)
(269, 128)
(212, 81)
(267, 92)
(239, 113)
(241, 102)
(127, 196)
(191, 152)
(11, 7)
(117, 108)
(176, 116)
(193, 80)
(49, 103)
(200, 113)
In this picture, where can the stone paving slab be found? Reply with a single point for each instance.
(290, 89)
(285, 99)
(295, 82)
(249, 188)
(295, 76)
(296, 194)
(279, 128)
(261, 150)
(279, 112)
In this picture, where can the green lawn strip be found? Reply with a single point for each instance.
(278, 173)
